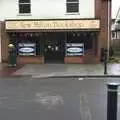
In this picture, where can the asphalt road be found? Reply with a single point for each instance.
(26, 98)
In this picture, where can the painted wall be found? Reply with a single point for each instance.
(46, 9)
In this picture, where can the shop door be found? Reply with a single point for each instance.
(54, 51)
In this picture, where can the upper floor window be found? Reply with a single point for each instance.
(24, 6)
(72, 6)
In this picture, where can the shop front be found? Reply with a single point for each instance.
(48, 47)
(54, 41)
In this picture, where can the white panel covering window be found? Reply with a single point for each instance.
(72, 6)
(24, 6)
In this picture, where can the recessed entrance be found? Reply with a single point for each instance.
(54, 48)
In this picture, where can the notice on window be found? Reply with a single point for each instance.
(27, 49)
(74, 49)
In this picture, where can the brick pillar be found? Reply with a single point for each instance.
(104, 23)
(4, 43)
(101, 12)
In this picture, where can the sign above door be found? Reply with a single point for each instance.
(52, 24)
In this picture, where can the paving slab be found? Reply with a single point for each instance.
(6, 71)
(49, 70)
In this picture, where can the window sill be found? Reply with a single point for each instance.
(72, 13)
(24, 14)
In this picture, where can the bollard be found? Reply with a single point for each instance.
(112, 101)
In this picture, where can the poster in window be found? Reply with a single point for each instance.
(74, 49)
(27, 49)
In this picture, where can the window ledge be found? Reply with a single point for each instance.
(24, 14)
(72, 13)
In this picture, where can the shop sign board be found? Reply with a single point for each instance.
(27, 49)
(52, 24)
(74, 49)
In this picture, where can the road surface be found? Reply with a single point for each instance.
(26, 98)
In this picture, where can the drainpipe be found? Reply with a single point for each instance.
(109, 27)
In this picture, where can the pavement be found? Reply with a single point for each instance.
(5, 70)
(56, 70)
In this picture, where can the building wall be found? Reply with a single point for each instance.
(101, 12)
(56, 9)
(115, 35)
(46, 9)
(115, 41)
(0, 40)
(4, 43)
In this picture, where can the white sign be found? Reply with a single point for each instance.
(74, 49)
(27, 49)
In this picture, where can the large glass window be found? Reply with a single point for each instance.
(72, 6)
(87, 38)
(32, 40)
(24, 6)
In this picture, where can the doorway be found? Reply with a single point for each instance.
(54, 48)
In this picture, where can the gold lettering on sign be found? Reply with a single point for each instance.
(36, 23)
(25, 24)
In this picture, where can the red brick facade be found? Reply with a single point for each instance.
(101, 12)
(4, 43)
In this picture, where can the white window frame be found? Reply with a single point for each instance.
(22, 14)
(72, 2)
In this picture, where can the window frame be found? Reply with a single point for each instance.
(24, 3)
(72, 2)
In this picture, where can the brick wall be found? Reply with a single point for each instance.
(74, 59)
(4, 43)
(101, 12)
(30, 59)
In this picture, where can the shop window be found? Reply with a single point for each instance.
(24, 6)
(72, 6)
(28, 39)
(88, 43)
(86, 38)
